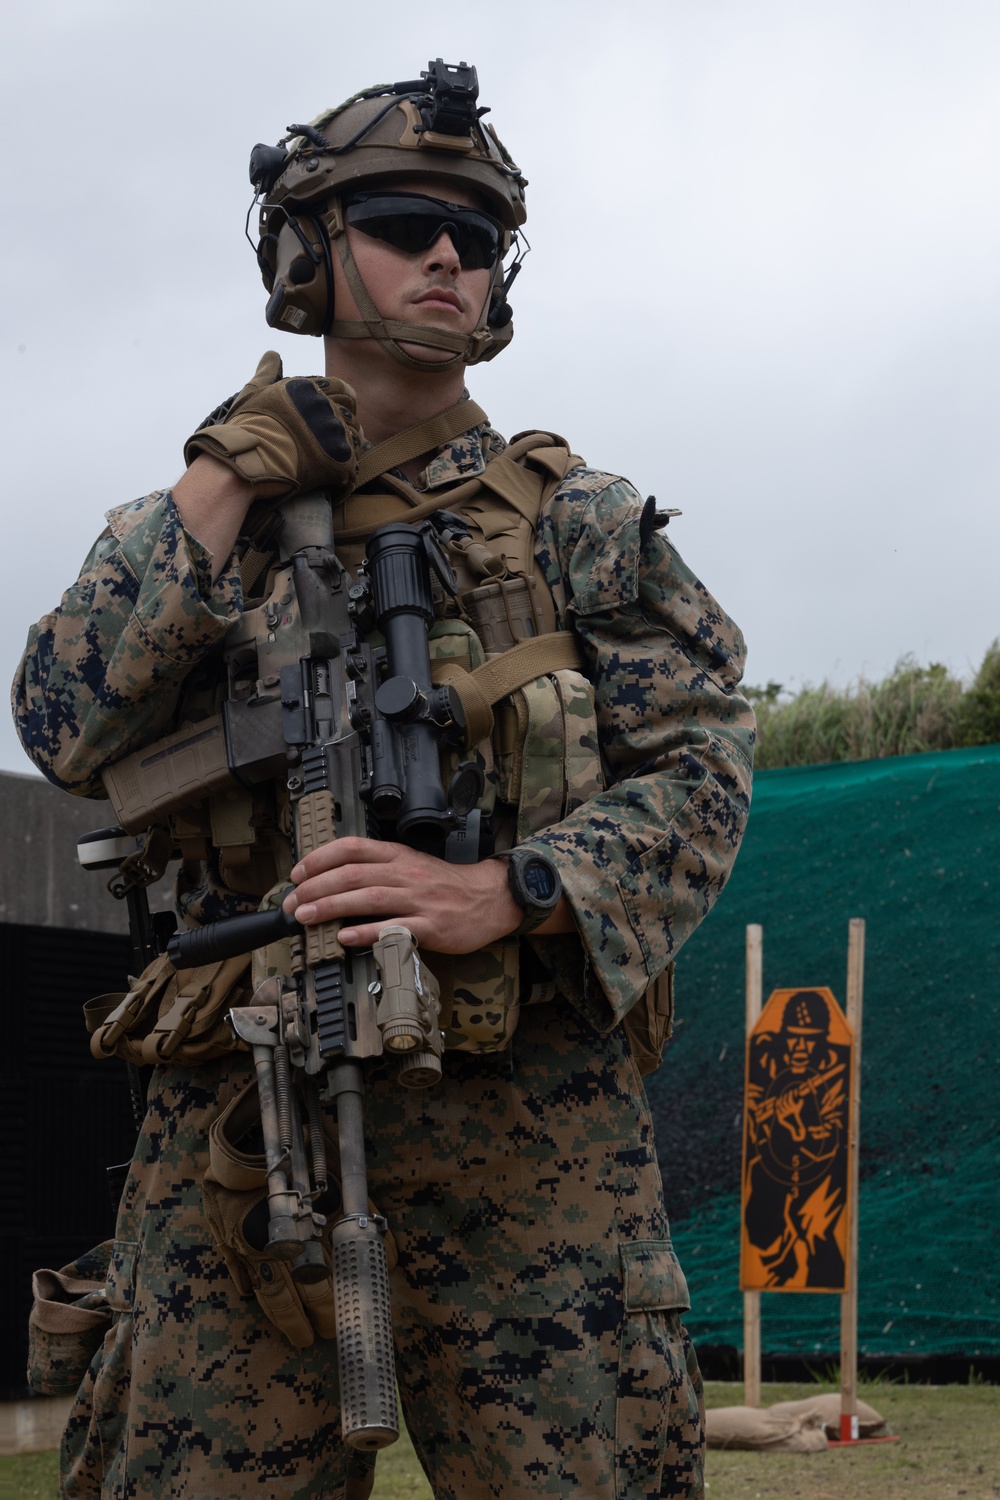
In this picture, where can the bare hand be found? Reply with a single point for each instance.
(448, 908)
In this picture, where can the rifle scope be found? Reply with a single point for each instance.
(399, 565)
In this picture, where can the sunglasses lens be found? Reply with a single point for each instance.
(413, 224)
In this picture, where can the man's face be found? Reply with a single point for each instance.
(429, 287)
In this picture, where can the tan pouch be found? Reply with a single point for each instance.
(171, 1015)
(650, 1021)
(69, 1318)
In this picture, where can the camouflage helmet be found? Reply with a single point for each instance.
(430, 126)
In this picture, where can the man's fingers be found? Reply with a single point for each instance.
(370, 883)
(381, 903)
(340, 852)
(365, 885)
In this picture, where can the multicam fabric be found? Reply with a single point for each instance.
(537, 1299)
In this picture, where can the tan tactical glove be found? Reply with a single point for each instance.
(285, 436)
(234, 1193)
(239, 1222)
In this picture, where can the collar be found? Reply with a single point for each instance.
(465, 457)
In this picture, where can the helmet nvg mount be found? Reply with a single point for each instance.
(419, 127)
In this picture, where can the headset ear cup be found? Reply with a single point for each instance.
(301, 287)
(500, 312)
(265, 259)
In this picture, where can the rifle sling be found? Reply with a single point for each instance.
(421, 438)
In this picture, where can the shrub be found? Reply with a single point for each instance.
(915, 708)
(981, 704)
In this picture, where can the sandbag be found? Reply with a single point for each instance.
(828, 1405)
(788, 1426)
(752, 1427)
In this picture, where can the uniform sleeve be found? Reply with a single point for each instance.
(643, 862)
(101, 674)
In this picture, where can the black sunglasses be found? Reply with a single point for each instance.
(411, 222)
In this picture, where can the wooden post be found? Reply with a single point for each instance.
(751, 1300)
(849, 1300)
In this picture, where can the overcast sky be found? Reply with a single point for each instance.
(764, 279)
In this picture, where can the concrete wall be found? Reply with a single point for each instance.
(41, 883)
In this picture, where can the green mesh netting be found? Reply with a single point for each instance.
(912, 844)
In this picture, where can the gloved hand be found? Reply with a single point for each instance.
(285, 437)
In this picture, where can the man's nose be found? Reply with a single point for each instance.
(442, 255)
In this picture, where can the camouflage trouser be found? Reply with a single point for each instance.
(536, 1300)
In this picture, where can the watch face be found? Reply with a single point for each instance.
(539, 880)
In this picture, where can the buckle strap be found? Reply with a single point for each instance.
(502, 675)
(132, 1010)
(198, 1004)
(525, 497)
(421, 438)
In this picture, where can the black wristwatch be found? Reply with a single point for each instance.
(535, 885)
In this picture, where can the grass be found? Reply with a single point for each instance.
(914, 709)
(949, 1448)
(31, 1476)
(34, 1476)
(398, 1476)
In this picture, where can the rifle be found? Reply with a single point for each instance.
(798, 1091)
(357, 733)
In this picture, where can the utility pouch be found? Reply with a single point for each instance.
(69, 1318)
(171, 1016)
(546, 749)
(454, 644)
(503, 612)
(650, 1021)
(234, 1193)
(547, 762)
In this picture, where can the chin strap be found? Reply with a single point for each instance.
(465, 348)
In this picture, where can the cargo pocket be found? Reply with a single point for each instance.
(69, 1318)
(655, 1390)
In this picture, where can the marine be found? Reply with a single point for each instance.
(537, 1301)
